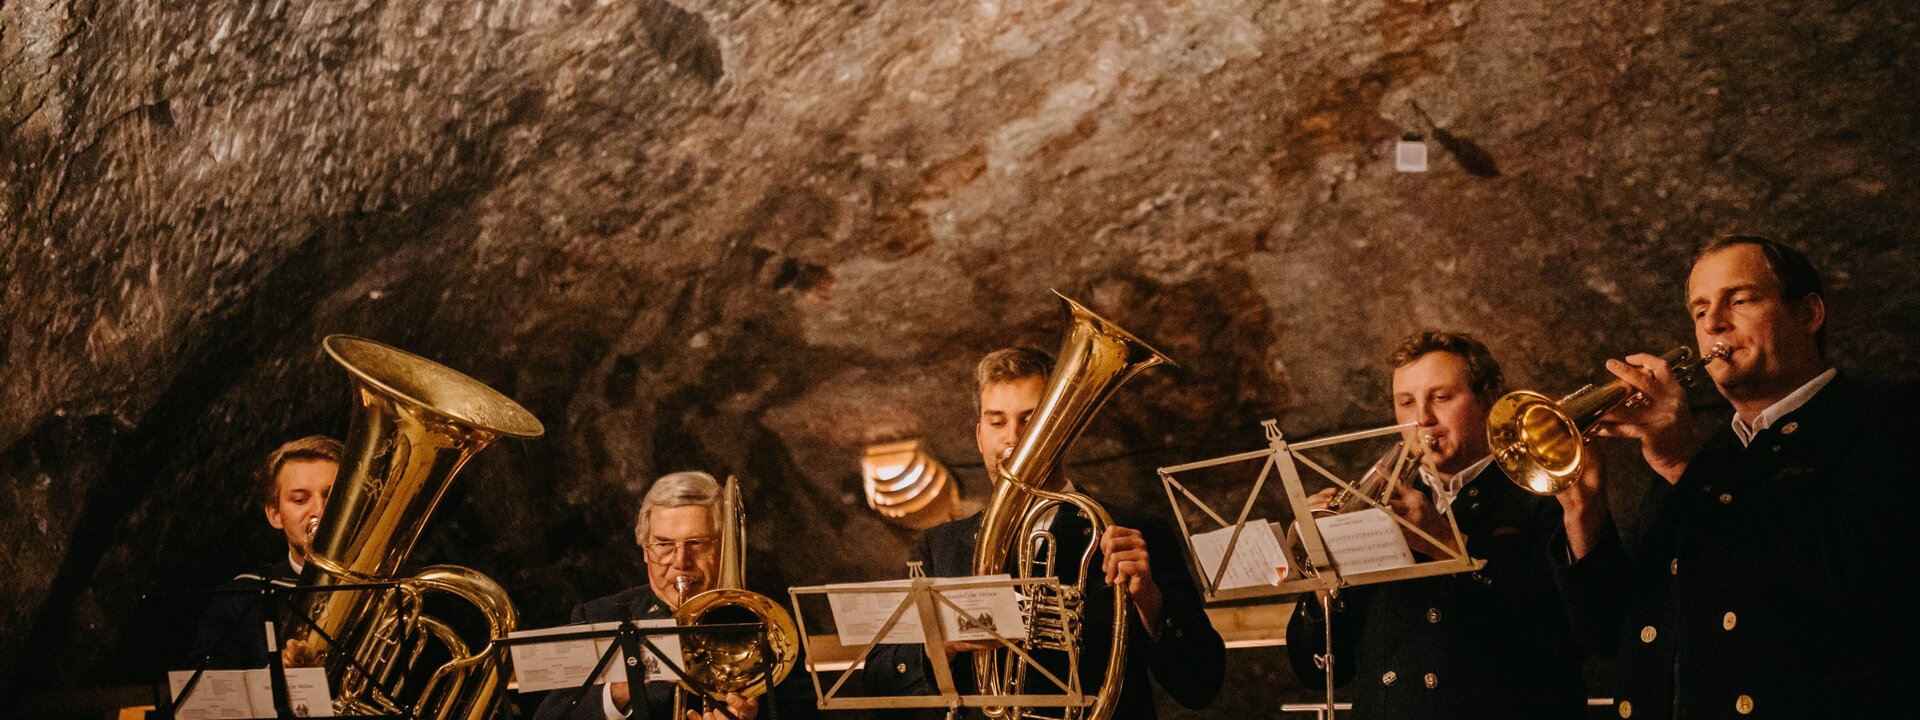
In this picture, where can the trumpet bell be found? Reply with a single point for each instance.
(1538, 445)
(747, 661)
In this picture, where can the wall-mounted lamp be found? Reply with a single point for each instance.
(907, 486)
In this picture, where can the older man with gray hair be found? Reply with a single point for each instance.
(678, 530)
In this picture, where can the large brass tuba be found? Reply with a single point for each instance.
(747, 662)
(415, 423)
(1541, 442)
(1095, 358)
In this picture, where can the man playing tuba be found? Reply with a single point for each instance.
(678, 529)
(1170, 639)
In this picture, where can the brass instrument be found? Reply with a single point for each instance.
(1540, 442)
(1396, 467)
(415, 423)
(1095, 358)
(746, 661)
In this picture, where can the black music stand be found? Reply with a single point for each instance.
(629, 640)
(271, 595)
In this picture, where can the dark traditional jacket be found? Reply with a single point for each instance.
(792, 699)
(232, 632)
(1185, 656)
(1494, 643)
(1775, 579)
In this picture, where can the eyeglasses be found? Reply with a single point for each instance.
(660, 551)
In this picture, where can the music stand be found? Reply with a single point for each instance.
(1321, 575)
(271, 595)
(925, 598)
(629, 640)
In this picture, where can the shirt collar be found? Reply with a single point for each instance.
(1746, 430)
(294, 560)
(1449, 486)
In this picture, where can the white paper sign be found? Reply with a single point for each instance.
(1364, 541)
(236, 694)
(858, 616)
(565, 663)
(1257, 557)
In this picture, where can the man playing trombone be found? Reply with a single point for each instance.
(1771, 570)
(1490, 644)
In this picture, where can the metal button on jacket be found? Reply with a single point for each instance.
(1626, 709)
(1729, 621)
(1389, 677)
(1673, 568)
(1433, 615)
(1433, 681)
(1743, 704)
(1647, 634)
(1788, 428)
(1726, 498)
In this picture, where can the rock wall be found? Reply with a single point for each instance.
(753, 236)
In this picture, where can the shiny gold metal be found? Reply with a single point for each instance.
(415, 424)
(1541, 442)
(1095, 358)
(743, 661)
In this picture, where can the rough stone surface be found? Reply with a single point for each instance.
(754, 236)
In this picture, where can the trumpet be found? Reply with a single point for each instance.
(1540, 442)
(1396, 467)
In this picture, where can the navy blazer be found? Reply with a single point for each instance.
(1775, 579)
(1493, 643)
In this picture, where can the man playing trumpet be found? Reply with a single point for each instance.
(1490, 644)
(1771, 569)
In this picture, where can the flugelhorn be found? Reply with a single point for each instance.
(1541, 442)
(1394, 468)
(1095, 358)
(747, 661)
(415, 423)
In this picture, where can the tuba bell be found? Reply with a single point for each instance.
(1541, 442)
(415, 423)
(747, 661)
(1095, 358)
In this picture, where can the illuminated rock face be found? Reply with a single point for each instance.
(754, 237)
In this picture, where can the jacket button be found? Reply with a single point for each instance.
(1647, 634)
(1388, 678)
(1473, 492)
(1726, 498)
(1673, 568)
(901, 668)
(1729, 621)
(1788, 428)
(1743, 704)
(1433, 681)
(1626, 709)
(1433, 616)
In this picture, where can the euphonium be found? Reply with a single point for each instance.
(1540, 442)
(415, 423)
(1095, 358)
(747, 662)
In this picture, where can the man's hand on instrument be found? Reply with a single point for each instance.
(1660, 421)
(744, 708)
(1410, 503)
(1124, 553)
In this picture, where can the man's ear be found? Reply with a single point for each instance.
(273, 517)
(1813, 312)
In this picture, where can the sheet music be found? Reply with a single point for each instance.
(858, 616)
(1364, 541)
(238, 694)
(565, 663)
(1257, 557)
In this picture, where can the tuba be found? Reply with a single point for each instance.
(1541, 442)
(759, 644)
(1095, 358)
(415, 423)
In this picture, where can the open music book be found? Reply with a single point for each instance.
(242, 694)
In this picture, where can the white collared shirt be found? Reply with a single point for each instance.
(294, 560)
(1448, 487)
(1746, 430)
